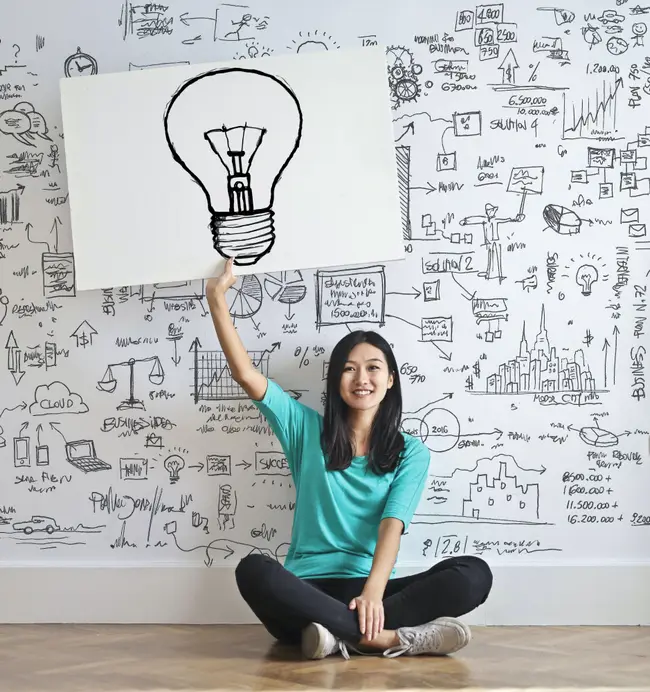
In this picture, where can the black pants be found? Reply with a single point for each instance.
(286, 604)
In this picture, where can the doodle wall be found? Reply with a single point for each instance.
(518, 315)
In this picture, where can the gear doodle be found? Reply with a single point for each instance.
(403, 75)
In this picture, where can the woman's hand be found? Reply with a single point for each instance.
(217, 286)
(371, 614)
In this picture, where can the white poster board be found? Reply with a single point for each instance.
(281, 162)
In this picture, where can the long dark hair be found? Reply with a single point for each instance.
(386, 439)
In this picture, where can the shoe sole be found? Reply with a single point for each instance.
(313, 641)
(464, 632)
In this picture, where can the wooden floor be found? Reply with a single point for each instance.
(122, 658)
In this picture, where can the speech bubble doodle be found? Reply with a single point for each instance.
(23, 122)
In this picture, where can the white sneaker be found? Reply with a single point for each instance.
(319, 642)
(439, 637)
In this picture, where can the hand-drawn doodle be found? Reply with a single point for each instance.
(286, 288)
(235, 23)
(312, 41)
(79, 64)
(4, 307)
(134, 66)
(83, 334)
(14, 358)
(508, 68)
(595, 118)
(403, 75)
(218, 465)
(174, 464)
(189, 21)
(10, 204)
(561, 16)
(591, 35)
(496, 494)
(253, 49)
(245, 297)
(213, 379)
(134, 469)
(639, 30)
(36, 523)
(562, 220)
(42, 450)
(540, 370)
(22, 407)
(58, 275)
(46, 533)
(82, 455)
(236, 156)
(55, 399)
(22, 453)
(145, 20)
(596, 436)
(350, 296)
(491, 239)
(174, 295)
(226, 506)
(24, 123)
(586, 275)
(108, 383)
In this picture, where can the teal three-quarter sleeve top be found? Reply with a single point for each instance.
(337, 513)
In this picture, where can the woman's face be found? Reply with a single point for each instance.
(365, 378)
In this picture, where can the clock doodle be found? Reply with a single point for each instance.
(80, 64)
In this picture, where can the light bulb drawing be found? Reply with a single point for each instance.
(586, 276)
(173, 464)
(234, 131)
(108, 383)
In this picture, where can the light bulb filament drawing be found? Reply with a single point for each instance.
(234, 131)
(239, 180)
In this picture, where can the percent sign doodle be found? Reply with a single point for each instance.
(302, 352)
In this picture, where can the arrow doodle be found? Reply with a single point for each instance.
(14, 358)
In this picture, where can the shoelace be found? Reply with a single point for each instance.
(343, 649)
(415, 643)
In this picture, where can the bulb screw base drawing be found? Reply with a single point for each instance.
(245, 237)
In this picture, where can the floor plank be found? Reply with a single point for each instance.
(126, 658)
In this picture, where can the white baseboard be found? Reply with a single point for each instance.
(521, 595)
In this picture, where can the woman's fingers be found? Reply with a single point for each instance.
(369, 623)
(362, 617)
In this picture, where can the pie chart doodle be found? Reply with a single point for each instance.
(245, 297)
(287, 287)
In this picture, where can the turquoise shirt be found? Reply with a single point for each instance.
(337, 513)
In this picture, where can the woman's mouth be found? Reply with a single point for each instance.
(362, 392)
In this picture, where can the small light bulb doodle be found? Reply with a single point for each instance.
(586, 276)
(173, 464)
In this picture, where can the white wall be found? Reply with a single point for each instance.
(550, 487)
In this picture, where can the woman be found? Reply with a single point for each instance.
(358, 481)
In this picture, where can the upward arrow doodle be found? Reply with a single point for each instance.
(508, 67)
